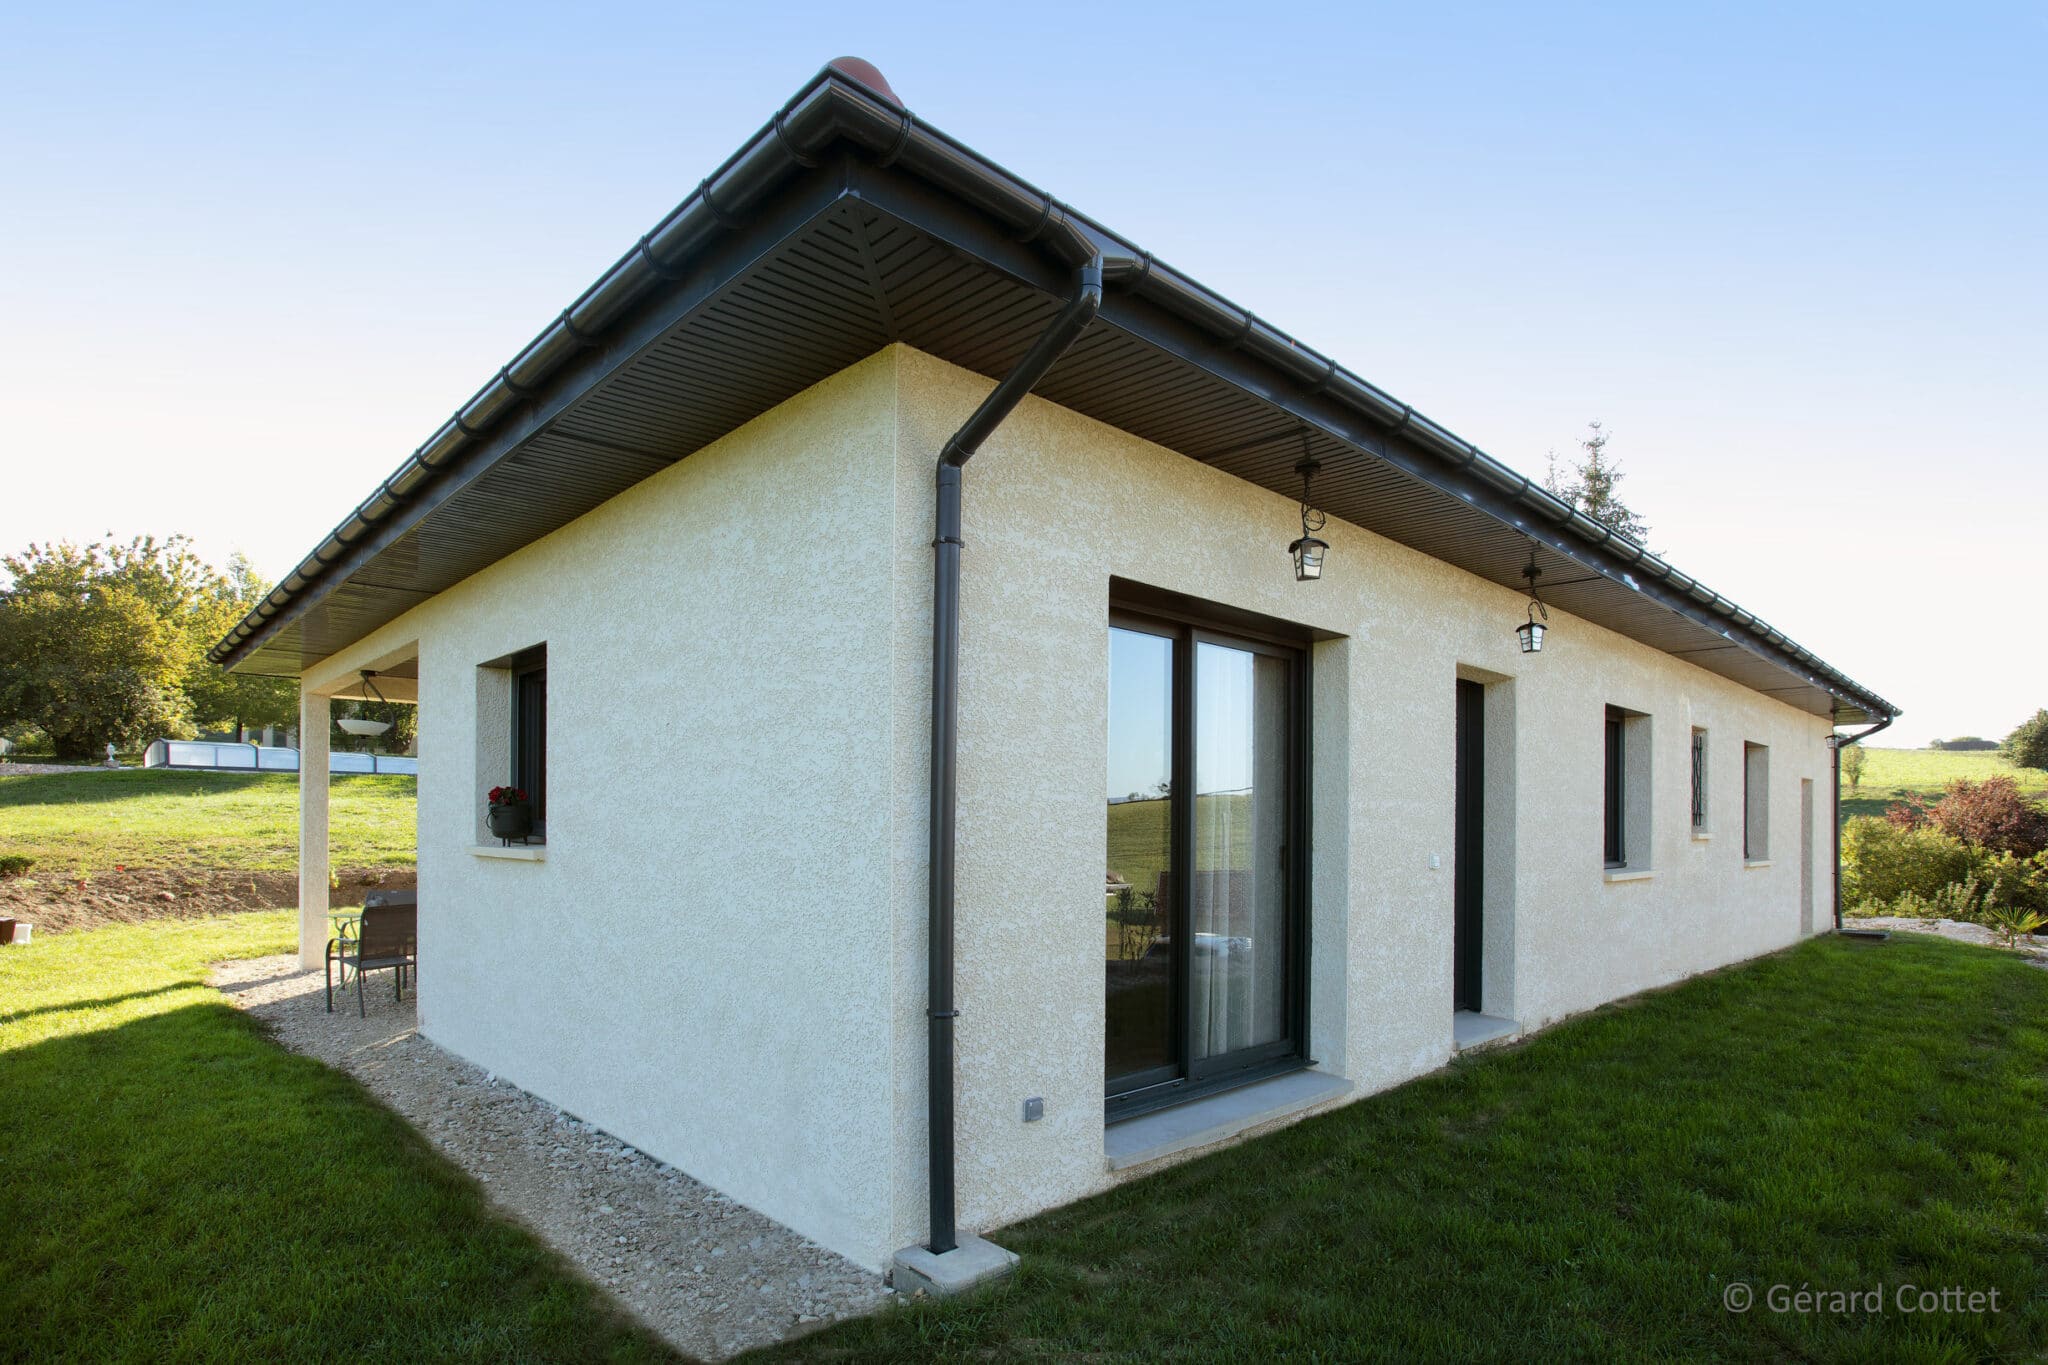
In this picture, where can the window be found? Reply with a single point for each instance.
(1756, 802)
(530, 736)
(1206, 886)
(1617, 816)
(512, 736)
(1626, 840)
(1699, 781)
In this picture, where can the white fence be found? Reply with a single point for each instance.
(249, 758)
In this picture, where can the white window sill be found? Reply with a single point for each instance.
(1700, 836)
(1629, 874)
(1215, 1118)
(1756, 862)
(518, 853)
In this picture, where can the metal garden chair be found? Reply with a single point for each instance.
(387, 938)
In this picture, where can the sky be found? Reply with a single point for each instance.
(1790, 256)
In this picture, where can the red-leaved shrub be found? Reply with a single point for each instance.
(1991, 815)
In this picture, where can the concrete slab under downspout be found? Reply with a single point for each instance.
(971, 1263)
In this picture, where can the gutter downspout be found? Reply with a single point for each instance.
(1839, 743)
(1073, 319)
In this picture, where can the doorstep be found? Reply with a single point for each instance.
(1469, 1030)
(1214, 1118)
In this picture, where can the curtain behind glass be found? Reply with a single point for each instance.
(1240, 886)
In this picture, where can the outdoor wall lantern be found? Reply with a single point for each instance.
(1308, 551)
(366, 728)
(1530, 632)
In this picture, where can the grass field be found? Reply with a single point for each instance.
(92, 821)
(178, 1187)
(1891, 775)
(1836, 1116)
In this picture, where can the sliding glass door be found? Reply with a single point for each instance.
(1205, 891)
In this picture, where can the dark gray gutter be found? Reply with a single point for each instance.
(1837, 743)
(840, 104)
(1052, 343)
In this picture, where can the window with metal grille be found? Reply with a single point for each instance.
(1699, 781)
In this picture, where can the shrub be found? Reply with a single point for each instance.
(14, 864)
(2021, 883)
(1883, 860)
(1991, 815)
(1964, 900)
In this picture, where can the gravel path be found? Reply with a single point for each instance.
(44, 769)
(1946, 928)
(711, 1275)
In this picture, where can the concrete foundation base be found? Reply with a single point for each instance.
(968, 1265)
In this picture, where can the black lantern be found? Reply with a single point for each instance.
(1308, 551)
(1530, 632)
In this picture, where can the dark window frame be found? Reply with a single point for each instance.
(1699, 780)
(1185, 1079)
(530, 736)
(1614, 822)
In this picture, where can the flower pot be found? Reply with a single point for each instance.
(513, 820)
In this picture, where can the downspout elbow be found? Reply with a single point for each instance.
(1080, 310)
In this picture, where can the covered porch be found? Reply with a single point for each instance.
(390, 676)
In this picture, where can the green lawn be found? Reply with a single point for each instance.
(173, 1185)
(1838, 1116)
(1891, 775)
(159, 818)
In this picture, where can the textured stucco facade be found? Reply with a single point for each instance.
(721, 958)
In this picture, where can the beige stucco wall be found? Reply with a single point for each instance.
(702, 964)
(721, 958)
(1057, 504)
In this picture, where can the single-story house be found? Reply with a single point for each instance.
(922, 841)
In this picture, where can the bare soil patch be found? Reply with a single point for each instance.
(58, 902)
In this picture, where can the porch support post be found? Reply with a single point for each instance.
(313, 927)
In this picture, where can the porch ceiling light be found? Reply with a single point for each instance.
(367, 728)
(1531, 632)
(1308, 551)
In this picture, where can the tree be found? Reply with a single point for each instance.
(1591, 487)
(85, 657)
(237, 701)
(2027, 745)
(1853, 759)
(105, 643)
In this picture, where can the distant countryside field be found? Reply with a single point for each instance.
(1892, 775)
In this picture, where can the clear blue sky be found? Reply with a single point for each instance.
(1791, 256)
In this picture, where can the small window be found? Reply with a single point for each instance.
(1617, 764)
(1627, 842)
(530, 737)
(1699, 781)
(512, 736)
(1756, 802)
